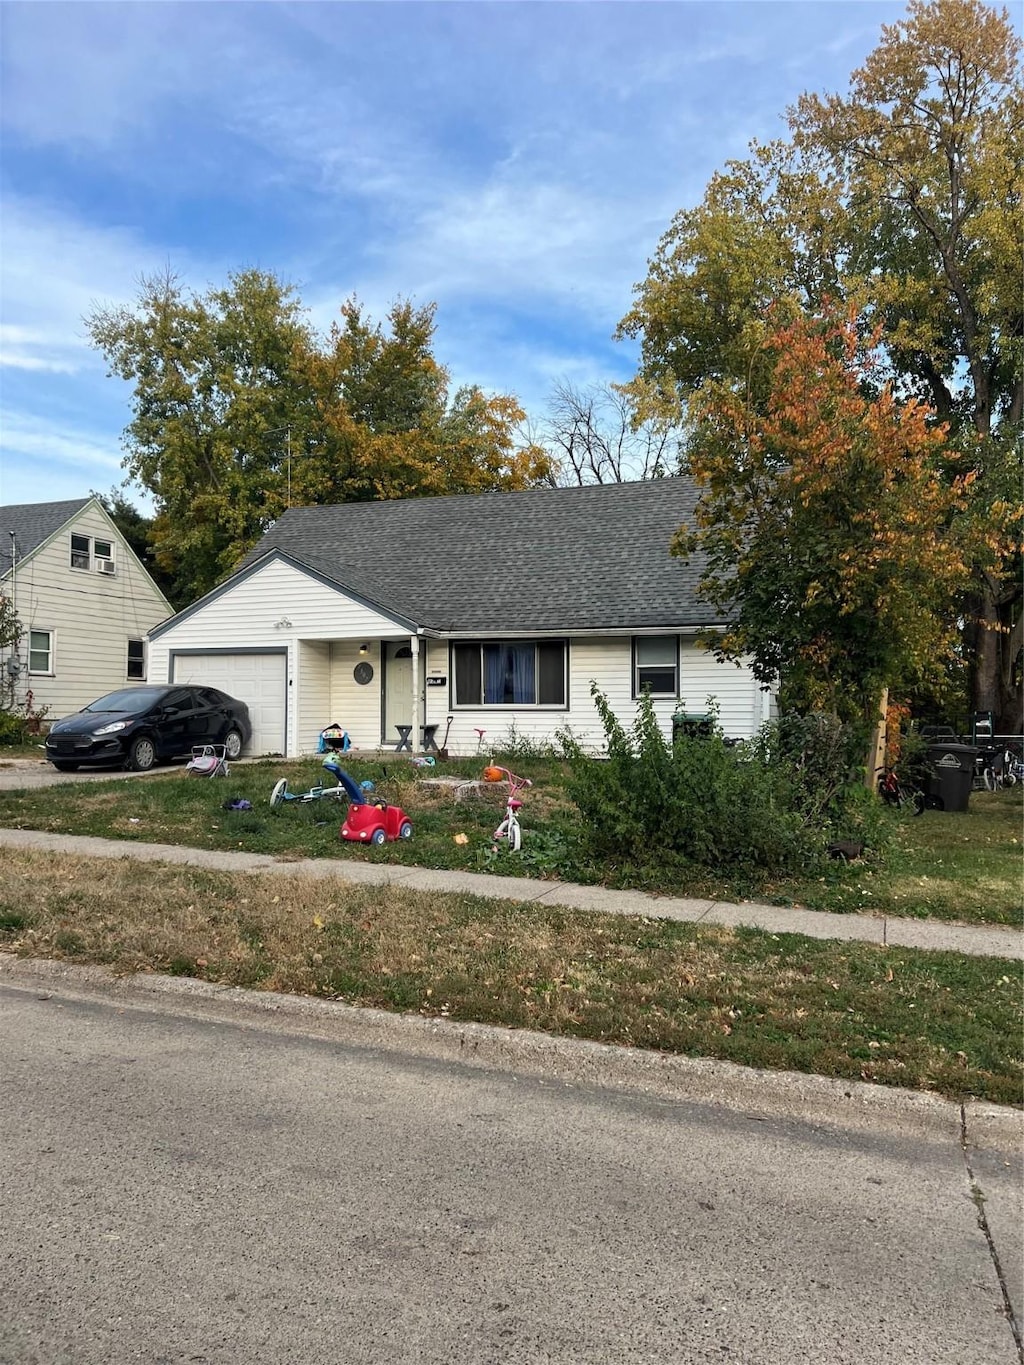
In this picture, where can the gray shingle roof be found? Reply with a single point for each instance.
(546, 559)
(32, 523)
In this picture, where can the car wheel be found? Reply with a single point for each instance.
(378, 836)
(232, 744)
(405, 831)
(141, 755)
(63, 767)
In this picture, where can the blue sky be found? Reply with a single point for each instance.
(514, 163)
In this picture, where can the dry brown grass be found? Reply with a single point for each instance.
(930, 1020)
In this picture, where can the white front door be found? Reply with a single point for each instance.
(397, 689)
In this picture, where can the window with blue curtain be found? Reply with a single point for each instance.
(509, 672)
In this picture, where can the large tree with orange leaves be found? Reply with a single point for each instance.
(901, 197)
(825, 522)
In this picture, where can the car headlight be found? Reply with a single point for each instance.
(112, 728)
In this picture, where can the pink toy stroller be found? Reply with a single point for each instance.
(208, 760)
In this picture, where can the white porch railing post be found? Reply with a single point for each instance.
(417, 720)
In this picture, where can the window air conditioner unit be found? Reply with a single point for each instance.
(106, 566)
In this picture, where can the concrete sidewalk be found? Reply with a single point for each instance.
(977, 940)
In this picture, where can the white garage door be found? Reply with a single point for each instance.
(260, 680)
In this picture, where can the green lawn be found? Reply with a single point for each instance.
(948, 866)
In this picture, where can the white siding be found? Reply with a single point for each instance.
(312, 694)
(607, 661)
(355, 706)
(277, 606)
(92, 615)
(272, 606)
(743, 705)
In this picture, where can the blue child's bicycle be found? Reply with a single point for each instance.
(345, 788)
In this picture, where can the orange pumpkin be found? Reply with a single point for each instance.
(493, 774)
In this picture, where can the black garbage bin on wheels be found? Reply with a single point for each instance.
(951, 775)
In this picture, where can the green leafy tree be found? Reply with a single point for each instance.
(379, 421)
(240, 410)
(213, 393)
(902, 200)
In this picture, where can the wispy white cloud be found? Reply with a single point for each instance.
(42, 458)
(57, 266)
(26, 348)
(30, 435)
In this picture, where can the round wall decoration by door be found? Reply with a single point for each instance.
(363, 673)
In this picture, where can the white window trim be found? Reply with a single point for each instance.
(636, 666)
(50, 672)
(80, 568)
(95, 559)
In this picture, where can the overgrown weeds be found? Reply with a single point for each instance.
(774, 804)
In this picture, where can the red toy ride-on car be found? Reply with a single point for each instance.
(374, 822)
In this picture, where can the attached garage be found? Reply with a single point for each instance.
(257, 677)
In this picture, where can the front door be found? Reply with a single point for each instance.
(398, 688)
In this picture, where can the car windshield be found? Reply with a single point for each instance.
(128, 699)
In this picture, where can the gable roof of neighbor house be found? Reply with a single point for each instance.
(33, 523)
(542, 560)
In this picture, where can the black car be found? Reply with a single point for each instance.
(140, 726)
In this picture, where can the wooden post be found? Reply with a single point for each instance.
(876, 753)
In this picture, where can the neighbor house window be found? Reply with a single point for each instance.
(509, 673)
(87, 553)
(81, 552)
(137, 659)
(40, 651)
(656, 665)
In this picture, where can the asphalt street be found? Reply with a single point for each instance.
(185, 1184)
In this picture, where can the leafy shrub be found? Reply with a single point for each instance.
(19, 722)
(819, 758)
(13, 728)
(513, 746)
(545, 853)
(698, 800)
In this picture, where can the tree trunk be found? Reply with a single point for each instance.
(996, 683)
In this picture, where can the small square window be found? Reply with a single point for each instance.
(40, 651)
(81, 556)
(137, 659)
(656, 665)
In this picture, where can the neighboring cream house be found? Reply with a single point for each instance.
(496, 610)
(84, 599)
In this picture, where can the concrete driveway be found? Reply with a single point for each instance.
(36, 772)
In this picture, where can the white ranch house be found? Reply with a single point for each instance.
(498, 610)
